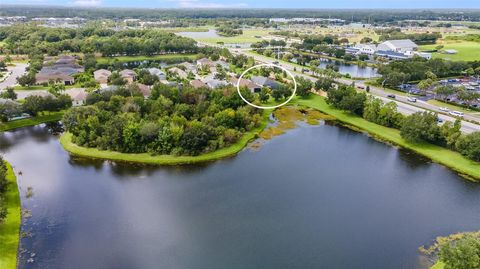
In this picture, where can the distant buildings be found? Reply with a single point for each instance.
(391, 49)
(158, 73)
(128, 75)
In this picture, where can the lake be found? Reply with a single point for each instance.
(316, 197)
(353, 70)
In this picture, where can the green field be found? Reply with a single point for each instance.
(454, 160)
(438, 265)
(45, 117)
(248, 36)
(10, 228)
(104, 60)
(68, 145)
(467, 51)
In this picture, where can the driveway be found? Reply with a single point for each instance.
(16, 71)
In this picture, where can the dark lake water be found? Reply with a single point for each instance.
(316, 197)
(353, 70)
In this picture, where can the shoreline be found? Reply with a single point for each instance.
(10, 228)
(11, 125)
(458, 163)
(466, 168)
(147, 158)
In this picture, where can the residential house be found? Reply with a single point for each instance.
(401, 46)
(189, 67)
(101, 76)
(216, 83)
(128, 75)
(205, 61)
(44, 78)
(179, 72)
(196, 83)
(157, 72)
(78, 95)
(265, 82)
(246, 83)
(223, 64)
(145, 90)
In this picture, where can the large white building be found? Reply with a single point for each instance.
(402, 46)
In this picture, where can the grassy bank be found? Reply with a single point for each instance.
(68, 145)
(10, 228)
(466, 50)
(46, 117)
(438, 265)
(454, 160)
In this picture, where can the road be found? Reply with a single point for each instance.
(18, 70)
(403, 105)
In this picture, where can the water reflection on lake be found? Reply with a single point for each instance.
(316, 197)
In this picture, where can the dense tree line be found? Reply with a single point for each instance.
(29, 39)
(229, 30)
(171, 121)
(418, 38)
(416, 128)
(33, 105)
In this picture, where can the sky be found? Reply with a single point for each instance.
(257, 3)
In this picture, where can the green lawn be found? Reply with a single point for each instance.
(248, 36)
(467, 51)
(438, 265)
(68, 145)
(45, 117)
(10, 228)
(454, 160)
(104, 60)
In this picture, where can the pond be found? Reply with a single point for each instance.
(353, 70)
(316, 197)
(211, 33)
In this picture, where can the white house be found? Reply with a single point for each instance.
(78, 95)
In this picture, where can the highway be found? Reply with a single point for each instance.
(404, 106)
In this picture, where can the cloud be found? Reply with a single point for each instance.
(87, 3)
(201, 4)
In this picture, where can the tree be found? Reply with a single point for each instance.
(57, 89)
(462, 254)
(347, 98)
(324, 84)
(304, 86)
(9, 93)
(426, 84)
(469, 97)
(27, 79)
(469, 145)
(421, 126)
(264, 95)
(444, 91)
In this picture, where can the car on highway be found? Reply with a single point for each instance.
(444, 109)
(411, 99)
(456, 114)
(391, 96)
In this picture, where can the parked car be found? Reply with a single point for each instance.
(391, 96)
(439, 120)
(411, 99)
(456, 114)
(444, 109)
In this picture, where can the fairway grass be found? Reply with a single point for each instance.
(75, 150)
(47, 117)
(248, 36)
(10, 228)
(454, 160)
(467, 51)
